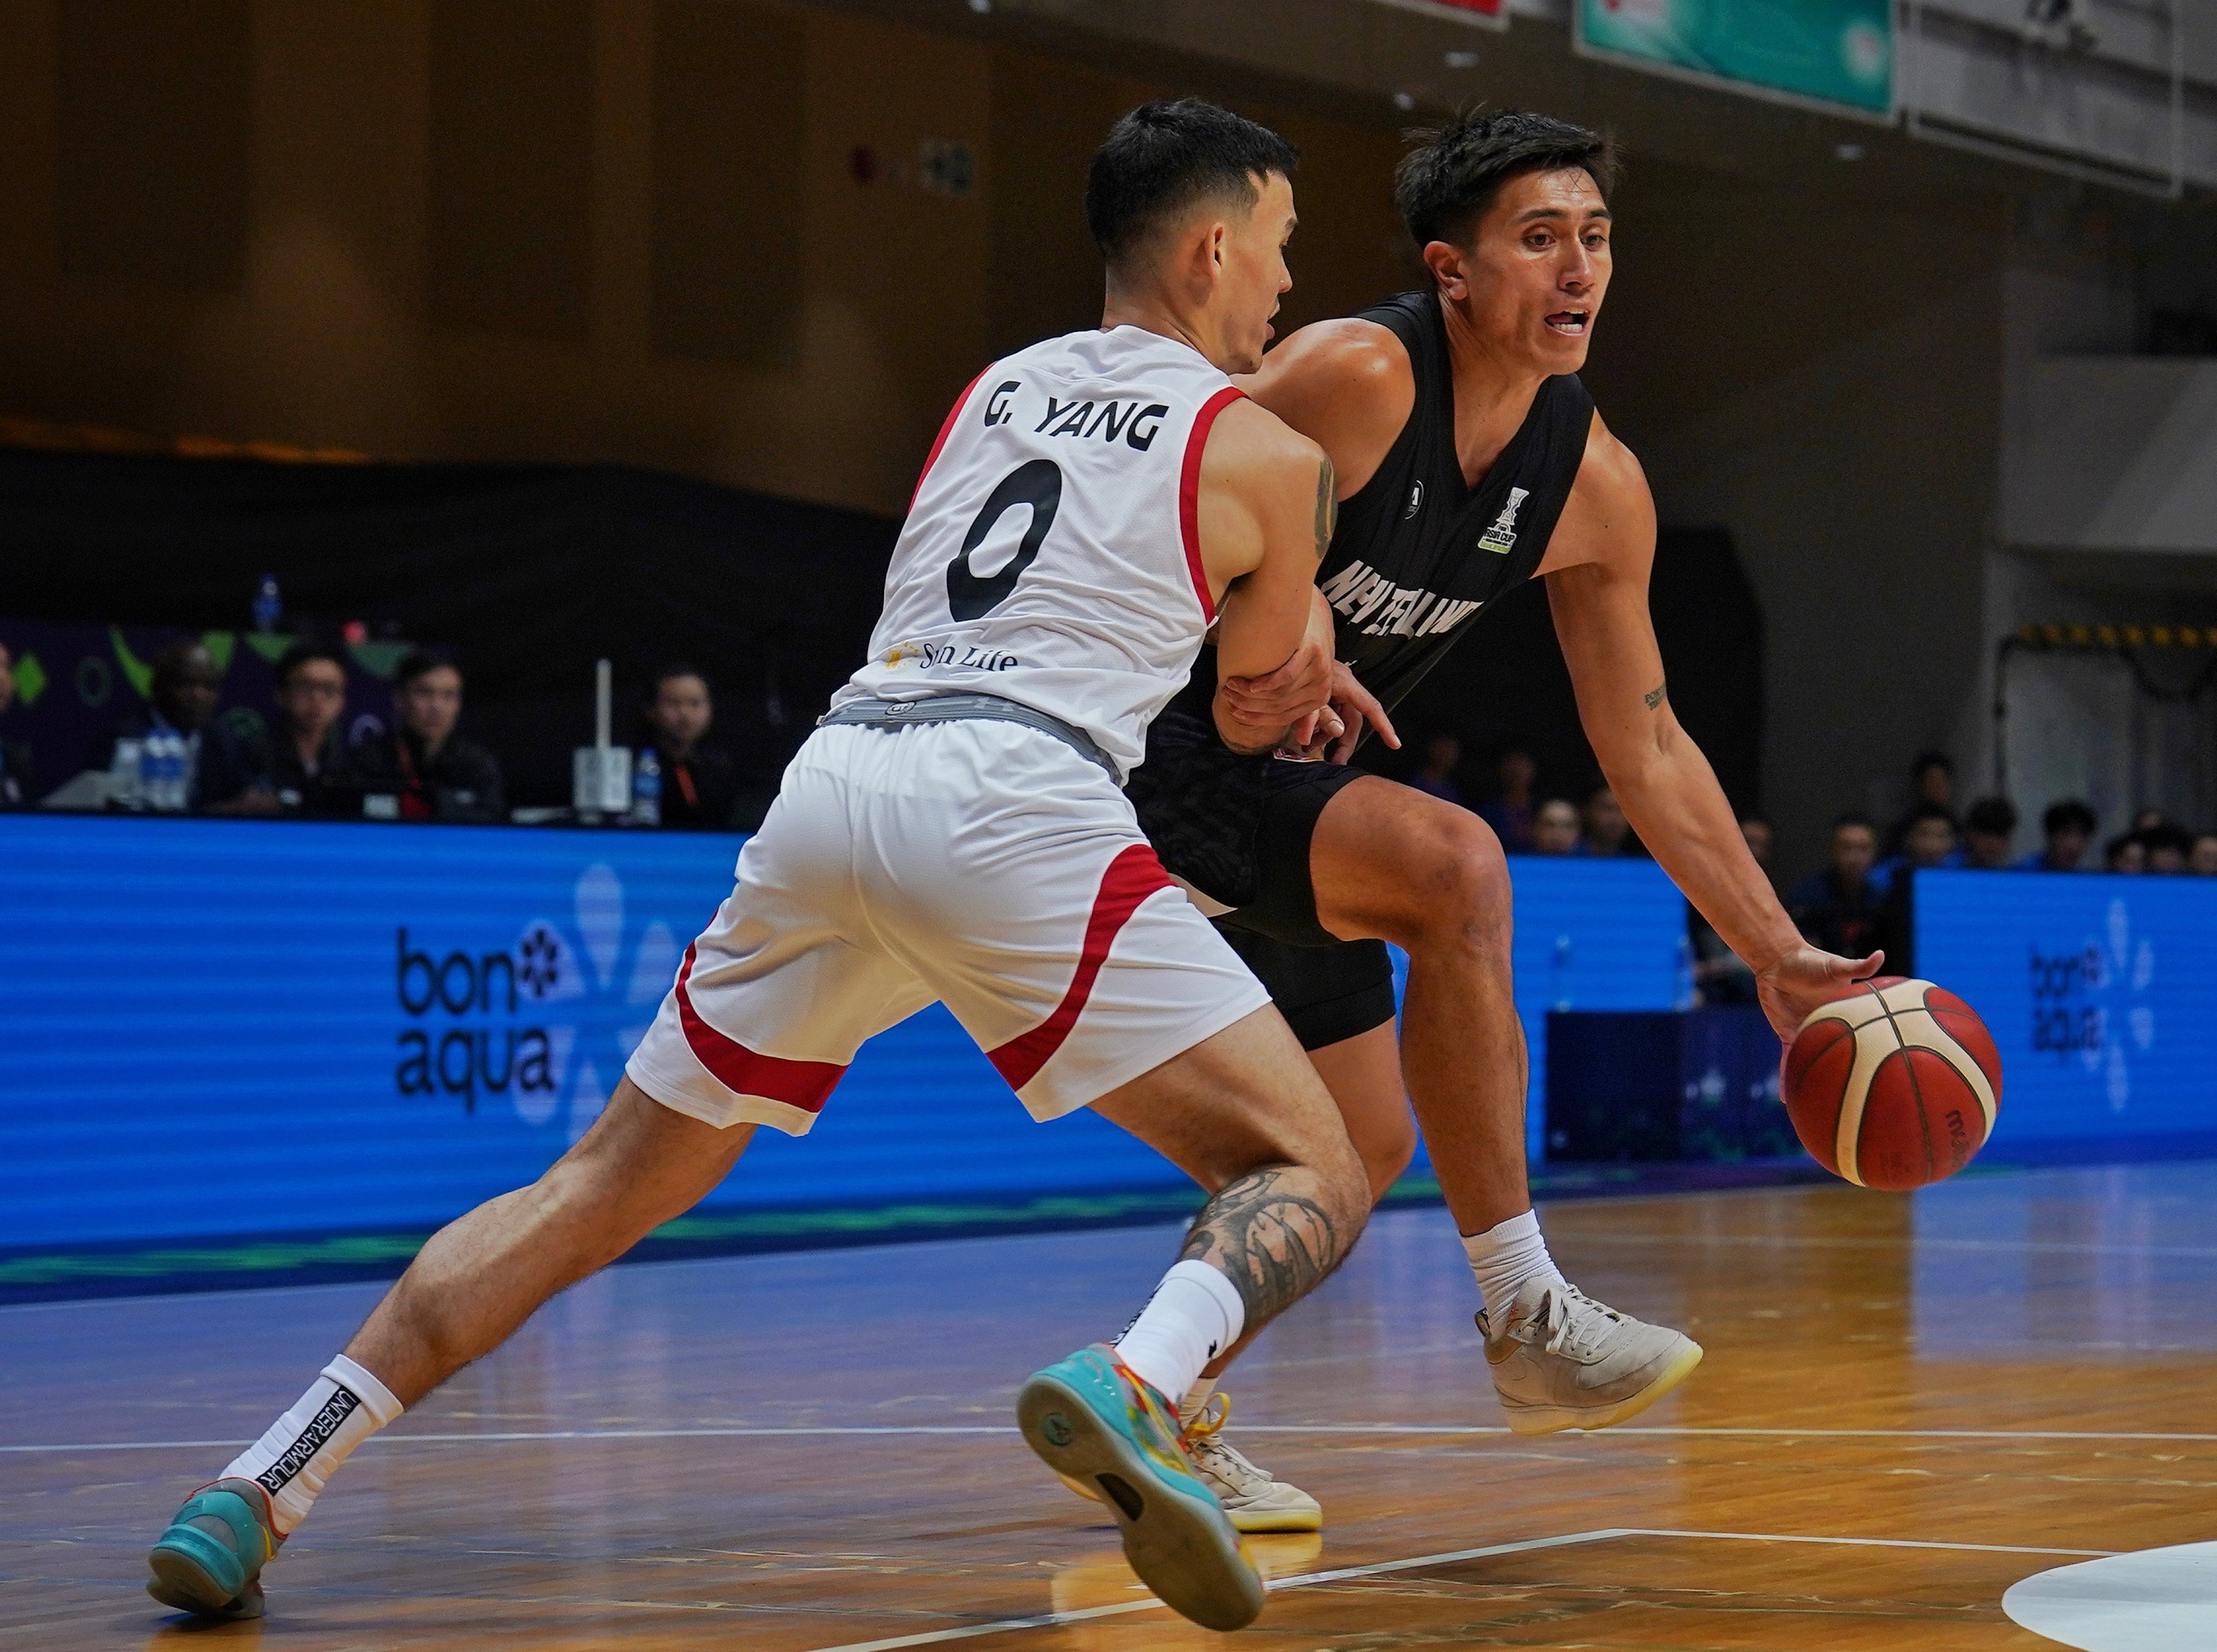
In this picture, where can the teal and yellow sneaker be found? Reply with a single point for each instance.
(210, 1560)
(1091, 1421)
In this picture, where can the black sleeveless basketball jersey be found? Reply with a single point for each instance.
(1418, 555)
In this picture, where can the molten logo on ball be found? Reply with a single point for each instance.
(1893, 1086)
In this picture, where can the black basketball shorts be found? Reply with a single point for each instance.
(1238, 830)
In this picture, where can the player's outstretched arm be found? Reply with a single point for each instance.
(1597, 571)
(1266, 511)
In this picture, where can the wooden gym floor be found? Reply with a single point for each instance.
(1907, 1406)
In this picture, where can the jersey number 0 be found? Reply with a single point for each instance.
(1038, 483)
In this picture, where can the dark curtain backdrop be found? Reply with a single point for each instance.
(530, 572)
(1507, 685)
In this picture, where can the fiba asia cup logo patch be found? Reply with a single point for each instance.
(544, 1024)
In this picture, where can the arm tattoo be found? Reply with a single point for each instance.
(1327, 506)
(1655, 695)
(1273, 1243)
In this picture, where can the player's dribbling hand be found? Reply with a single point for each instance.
(1804, 978)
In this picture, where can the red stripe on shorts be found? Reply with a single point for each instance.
(1189, 494)
(804, 1084)
(1132, 876)
(945, 430)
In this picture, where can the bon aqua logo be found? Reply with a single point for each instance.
(2088, 1003)
(550, 1018)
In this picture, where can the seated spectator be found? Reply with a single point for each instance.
(18, 787)
(182, 699)
(2125, 853)
(300, 766)
(2167, 845)
(1509, 811)
(1932, 785)
(1929, 846)
(1928, 842)
(2068, 827)
(1555, 827)
(1719, 973)
(2146, 820)
(1435, 775)
(1607, 831)
(1989, 831)
(422, 770)
(2202, 859)
(1837, 909)
(699, 786)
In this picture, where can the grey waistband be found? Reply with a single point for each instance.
(963, 708)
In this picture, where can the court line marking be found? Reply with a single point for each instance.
(1357, 1429)
(1054, 1620)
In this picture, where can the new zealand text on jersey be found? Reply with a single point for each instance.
(1378, 607)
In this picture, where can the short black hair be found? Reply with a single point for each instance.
(1993, 817)
(2064, 816)
(422, 662)
(300, 653)
(1925, 811)
(1444, 185)
(2114, 848)
(1166, 158)
(1939, 760)
(674, 669)
(2169, 834)
(1855, 817)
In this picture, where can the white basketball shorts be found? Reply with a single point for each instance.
(983, 865)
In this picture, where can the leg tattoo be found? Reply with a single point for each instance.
(1273, 1242)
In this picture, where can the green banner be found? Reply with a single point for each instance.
(1828, 51)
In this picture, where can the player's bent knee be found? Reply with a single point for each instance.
(1459, 879)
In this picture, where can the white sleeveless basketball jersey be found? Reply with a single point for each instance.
(1052, 554)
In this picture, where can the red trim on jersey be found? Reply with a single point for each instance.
(1190, 493)
(804, 1084)
(1132, 876)
(945, 430)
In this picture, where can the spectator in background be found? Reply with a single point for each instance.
(2068, 827)
(1719, 974)
(17, 786)
(1760, 840)
(1927, 842)
(1607, 831)
(1509, 811)
(1555, 827)
(2148, 820)
(1932, 785)
(1929, 846)
(2125, 853)
(2202, 859)
(699, 786)
(181, 699)
(1988, 829)
(422, 770)
(1838, 908)
(2167, 846)
(300, 765)
(1435, 775)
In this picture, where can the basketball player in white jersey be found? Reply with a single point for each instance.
(956, 833)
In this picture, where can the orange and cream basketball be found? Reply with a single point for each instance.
(1893, 1085)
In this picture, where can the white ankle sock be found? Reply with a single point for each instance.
(342, 1408)
(1193, 1316)
(1196, 1399)
(1503, 1257)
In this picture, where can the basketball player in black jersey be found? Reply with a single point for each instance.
(1469, 459)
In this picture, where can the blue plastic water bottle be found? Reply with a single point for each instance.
(269, 605)
(646, 789)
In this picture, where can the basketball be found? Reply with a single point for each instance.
(1893, 1085)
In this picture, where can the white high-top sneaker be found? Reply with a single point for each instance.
(1255, 1500)
(1564, 1360)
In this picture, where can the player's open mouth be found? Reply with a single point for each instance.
(1572, 322)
